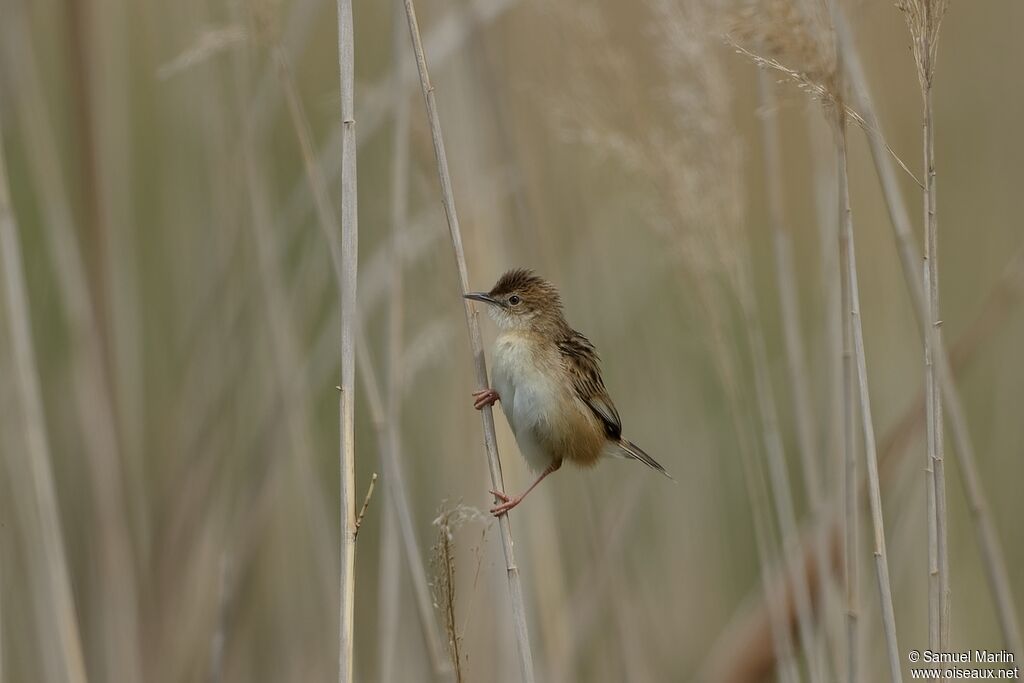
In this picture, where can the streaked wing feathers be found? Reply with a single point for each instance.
(582, 362)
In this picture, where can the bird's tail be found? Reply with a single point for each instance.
(631, 450)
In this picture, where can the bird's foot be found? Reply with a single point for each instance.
(504, 498)
(485, 397)
(506, 505)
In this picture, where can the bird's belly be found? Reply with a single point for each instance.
(530, 400)
(548, 421)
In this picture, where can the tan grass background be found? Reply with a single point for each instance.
(182, 312)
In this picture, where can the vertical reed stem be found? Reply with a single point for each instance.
(993, 557)
(933, 396)
(384, 419)
(476, 344)
(849, 267)
(349, 315)
(849, 428)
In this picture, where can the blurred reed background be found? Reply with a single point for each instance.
(168, 343)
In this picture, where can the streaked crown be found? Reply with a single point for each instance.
(521, 298)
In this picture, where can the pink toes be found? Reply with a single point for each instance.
(485, 397)
(502, 509)
(507, 503)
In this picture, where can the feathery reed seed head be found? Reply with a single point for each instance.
(924, 19)
(795, 39)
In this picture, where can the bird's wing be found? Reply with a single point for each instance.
(582, 363)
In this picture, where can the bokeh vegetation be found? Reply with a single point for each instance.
(182, 322)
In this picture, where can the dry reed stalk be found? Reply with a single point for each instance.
(850, 478)
(832, 612)
(57, 622)
(991, 548)
(476, 344)
(849, 267)
(443, 586)
(366, 504)
(349, 320)
(754, 628)
(511, 238)
(817, 71)
(924, 18)
(383, 417)
(448, 602)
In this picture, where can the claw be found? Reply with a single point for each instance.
(485, 397)
(509, 503)
(503, 509)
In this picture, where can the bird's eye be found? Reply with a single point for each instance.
(514, 300)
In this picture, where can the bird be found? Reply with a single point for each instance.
(547, 377)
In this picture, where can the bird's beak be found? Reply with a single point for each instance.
(484, 297)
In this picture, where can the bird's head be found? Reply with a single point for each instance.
(521, 300)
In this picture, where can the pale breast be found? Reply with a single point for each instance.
(541, 410)
(526, 381)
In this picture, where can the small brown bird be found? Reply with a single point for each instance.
(548, 379)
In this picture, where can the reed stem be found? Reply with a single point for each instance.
(476, 345)
(849, 266)
(993, 557)
(349, 321)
